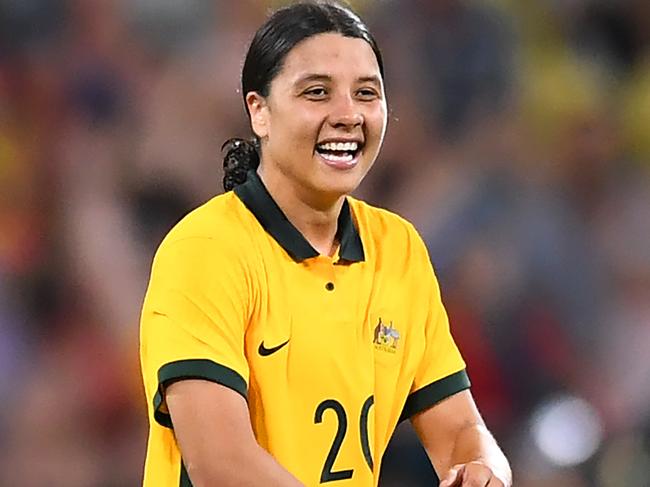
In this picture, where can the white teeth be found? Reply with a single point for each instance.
(340, 146)
(335, 158)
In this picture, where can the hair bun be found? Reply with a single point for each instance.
(241, 156)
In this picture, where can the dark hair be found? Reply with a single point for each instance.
(272, 42)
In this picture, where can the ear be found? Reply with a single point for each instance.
(259, 110)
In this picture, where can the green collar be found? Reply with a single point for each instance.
(257, 199)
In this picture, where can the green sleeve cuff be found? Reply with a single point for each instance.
(193, 369)
(435, 392)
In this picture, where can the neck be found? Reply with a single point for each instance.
(316, 218)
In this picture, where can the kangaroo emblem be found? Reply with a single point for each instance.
(386, 337)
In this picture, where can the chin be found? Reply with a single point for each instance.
(341, 182)
(336, 189)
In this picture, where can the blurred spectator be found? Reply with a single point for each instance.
(518, 143)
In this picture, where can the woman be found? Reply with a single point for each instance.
(287, 327)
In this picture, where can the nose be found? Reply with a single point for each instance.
(346, 113)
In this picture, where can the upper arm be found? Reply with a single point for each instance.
(211, 422)
(439, 426)
(214, 433)
(439, 404)
(193, 321)
(440, 372)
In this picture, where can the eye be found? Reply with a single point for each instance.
(368, 94)
(315, 93)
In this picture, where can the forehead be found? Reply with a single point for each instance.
(332, 54)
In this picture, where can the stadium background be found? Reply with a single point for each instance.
(519, 144)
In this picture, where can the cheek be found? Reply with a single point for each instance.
(297, 133)
(376, 122)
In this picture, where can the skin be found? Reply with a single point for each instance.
(460, 447)
(241, 462)
(329, 88)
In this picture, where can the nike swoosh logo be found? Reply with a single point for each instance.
(265, 352)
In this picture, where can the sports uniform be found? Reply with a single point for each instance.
(330, 352)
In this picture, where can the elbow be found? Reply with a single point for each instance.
(212, 475)
(223, 469)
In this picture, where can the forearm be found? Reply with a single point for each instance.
(241, 467)
(475, 443)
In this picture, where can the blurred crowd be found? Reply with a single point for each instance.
(518, 144)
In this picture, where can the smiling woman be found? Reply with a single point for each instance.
(310, 87)
(288, 327)
(327, 99)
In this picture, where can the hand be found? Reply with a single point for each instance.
(472, 474)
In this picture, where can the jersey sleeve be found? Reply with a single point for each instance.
(441, 371)
(194, 319)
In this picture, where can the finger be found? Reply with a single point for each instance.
(453, 477)
(476, 475)
(495, 482)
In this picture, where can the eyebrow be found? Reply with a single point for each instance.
(370, 79)
(326, 77)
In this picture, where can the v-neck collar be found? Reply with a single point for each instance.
(259, 201)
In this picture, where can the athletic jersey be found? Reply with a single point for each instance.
(330, 352)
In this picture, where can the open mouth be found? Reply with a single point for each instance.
(339, 152)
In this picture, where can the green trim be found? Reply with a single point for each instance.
(435, 392)
(184, 480)
(348, 235)
(259, 201)
(193, 369)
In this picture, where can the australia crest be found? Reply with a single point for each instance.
(386, 337)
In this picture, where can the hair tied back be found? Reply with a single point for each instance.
(240, 156)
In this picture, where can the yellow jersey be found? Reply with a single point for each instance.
(330, 352)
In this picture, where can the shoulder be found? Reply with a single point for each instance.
(217, 230)
(214, 219)
(382, 226)
(205, 256)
